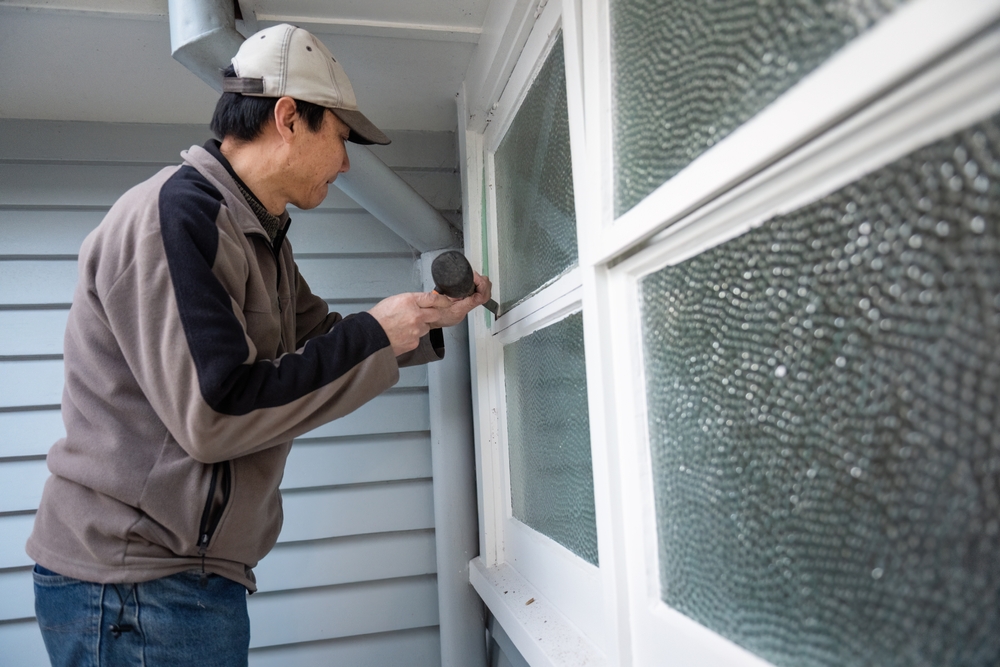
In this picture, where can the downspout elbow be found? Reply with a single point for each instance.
(203, 37)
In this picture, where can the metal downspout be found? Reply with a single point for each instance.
(461, 613)
(380, 190)
(203, 38)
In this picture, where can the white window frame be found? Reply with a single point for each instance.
(928, 69)
(915, 77)
(546, 587)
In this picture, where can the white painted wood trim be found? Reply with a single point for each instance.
(539, 44)
(559, 575)
(896, 48)
(608, 486)
(539, 631)
(146, 10)
(497, 505)
(582, 26)
(536, 311)
(595, 37)
(471, 166)
(374, 28)
(505, 29)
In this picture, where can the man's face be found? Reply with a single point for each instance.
(316, 159)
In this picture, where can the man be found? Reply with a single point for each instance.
(194, 353)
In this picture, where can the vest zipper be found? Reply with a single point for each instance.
(212, 514)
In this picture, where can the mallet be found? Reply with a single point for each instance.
(452, 276)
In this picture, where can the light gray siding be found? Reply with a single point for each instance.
(352, 579)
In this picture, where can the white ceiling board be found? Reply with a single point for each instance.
(457, 13)
(76, 64)
(132, 7)
(404, 84)
(61, 66)
(339, 26)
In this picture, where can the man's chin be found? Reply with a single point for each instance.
(313, 201)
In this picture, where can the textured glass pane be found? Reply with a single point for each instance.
(686, 73)
(823, 417)
(536, 222)
(548, 435)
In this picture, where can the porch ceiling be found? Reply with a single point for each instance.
(105, 60)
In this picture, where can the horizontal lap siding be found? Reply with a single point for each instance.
(352, 579)
(29, 432)
(22, 644)
(32, 332)
(420, 646)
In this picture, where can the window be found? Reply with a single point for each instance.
(785, 277)
(687, 74)
(541, 506)
(819, 396)
(548, 435)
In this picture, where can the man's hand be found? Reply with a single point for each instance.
(406, 318)
(457, 309)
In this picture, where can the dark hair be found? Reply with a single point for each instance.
(243, 117)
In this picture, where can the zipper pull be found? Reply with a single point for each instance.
(202, 548)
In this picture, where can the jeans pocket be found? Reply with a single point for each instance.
(45, 577)
(64, 604)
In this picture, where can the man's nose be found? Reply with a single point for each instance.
(345, 166)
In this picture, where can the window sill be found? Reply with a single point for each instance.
(539, 631)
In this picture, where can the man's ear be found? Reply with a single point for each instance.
(286, 116)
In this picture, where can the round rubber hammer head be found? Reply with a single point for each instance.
(452, 275)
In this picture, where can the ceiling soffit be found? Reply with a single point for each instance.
(406, 60)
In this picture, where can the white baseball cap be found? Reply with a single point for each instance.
(286, 60)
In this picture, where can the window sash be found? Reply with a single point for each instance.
(895, 49)
(952, 94)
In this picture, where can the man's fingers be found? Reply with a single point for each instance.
(431, 300)
(484, 288)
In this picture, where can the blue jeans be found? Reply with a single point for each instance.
(168, 622)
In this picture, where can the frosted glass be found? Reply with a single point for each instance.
(822, 396)
(536, 221)
(548, 436)
(686, 73)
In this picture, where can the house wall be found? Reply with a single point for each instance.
(502, 651)
(352, 580)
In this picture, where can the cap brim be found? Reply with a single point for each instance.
(363, 131)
